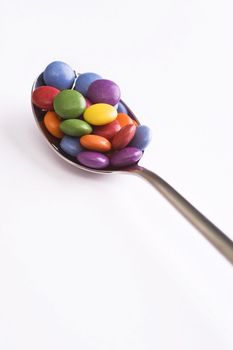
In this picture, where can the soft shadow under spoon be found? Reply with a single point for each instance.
(218, 239)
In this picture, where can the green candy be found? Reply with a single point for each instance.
(69, 104)
(75, 127)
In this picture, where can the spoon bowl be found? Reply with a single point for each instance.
(215, 236)
(53, 142)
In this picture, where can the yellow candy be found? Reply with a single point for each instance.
(100, 114)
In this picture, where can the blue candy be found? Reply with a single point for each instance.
(84, 81)
(59, 75)
(71, 145)
(121, 108)
(141, 138)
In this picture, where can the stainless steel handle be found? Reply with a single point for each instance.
(218, 239)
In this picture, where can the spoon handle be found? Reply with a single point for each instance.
(218, 239)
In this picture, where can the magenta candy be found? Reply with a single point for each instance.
(94, 160)
(88, 102)
(104, 91)
(125, 157)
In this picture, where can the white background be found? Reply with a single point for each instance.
(104, 262)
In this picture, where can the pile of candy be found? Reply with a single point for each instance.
(86, 113)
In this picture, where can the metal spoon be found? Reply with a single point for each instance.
(216, 237)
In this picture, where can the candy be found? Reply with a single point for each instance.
(104, 91)
(85, 112)
(95, 143)
(124, 119)
(71, 145)
(88, 102)
(43, 97)
(75, 127)
(52, 124)
(100, 114)
(84, 81)
(125, 157)
(59, 75)
(142, 137)
(69, 104)
(121, 108)
(124, 136)
(93, 160)
(108, 130)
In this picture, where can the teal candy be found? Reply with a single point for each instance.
(69, 104)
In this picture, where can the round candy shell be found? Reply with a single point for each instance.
(104, 91)
(75, 127)
(125, 157)
(95, 143)
(142, 137)
(71, 145)
(84, 81)
(43, 97)
(124, 136)
(100, 114)
(52, 124)
(69, 104)
(59, 75)
(94, 160)
(108, 131)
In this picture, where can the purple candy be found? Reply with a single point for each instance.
(93, 160)
(126, 156)
(104, 91)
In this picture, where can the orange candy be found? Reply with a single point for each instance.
(52, 124)
(124, 119)
(95, 143)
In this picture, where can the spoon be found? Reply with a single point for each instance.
(216, 237)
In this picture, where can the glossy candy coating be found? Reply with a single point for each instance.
(59, 75)
(69, 104)
(124, 136)
(84, 81)
(71, 145)
(52, 124)
(124, 119)
(94, 160)
(95, 143)
(108, 130)
(142, 137)
(100, 114)
(121, 108)
(104, 91)
(75, 127)
(125, 157)
(43, 97)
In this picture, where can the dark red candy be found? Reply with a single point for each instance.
(107, 130)
(123, 137)
(43, 97)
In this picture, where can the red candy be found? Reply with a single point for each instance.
(123, 137)
(43, 97)
(108, 130)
